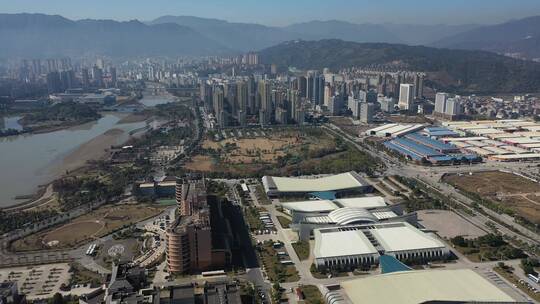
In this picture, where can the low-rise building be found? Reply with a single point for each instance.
(400, 240)
(344, 183)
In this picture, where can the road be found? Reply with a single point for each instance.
(485, 269)
(431, 176)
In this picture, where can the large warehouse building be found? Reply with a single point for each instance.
(315, 214)
(344, 183)
(354, 249)
(424, 286)
(400, 240)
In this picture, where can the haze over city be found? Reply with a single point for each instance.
(282, 12)
(269, 152)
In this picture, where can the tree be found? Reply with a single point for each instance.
(56, 299)
(459, 241)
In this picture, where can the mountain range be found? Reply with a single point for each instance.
(519, 38)
(458, 71)
(39, 35)
(42, 36)
(249, 36)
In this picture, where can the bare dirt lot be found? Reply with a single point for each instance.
(97, 223)
(251, 153)
(517, 193)
(447, 224)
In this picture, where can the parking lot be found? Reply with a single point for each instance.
(38, 282)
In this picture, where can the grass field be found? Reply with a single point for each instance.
(302, 249)
(512, 193)
(312, 295)
(285, 222)
(97, 223)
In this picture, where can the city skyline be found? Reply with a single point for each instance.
(281, 13)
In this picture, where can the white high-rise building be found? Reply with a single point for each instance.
(387, 103)
(406, 96)
(328, 94)
(453, 107)
(354, 105)
(440, 103)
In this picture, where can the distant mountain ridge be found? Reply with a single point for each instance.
(520, 37)
(39, 36)
(238, 36)
(335, 29)
(250, 36)
(459, 71)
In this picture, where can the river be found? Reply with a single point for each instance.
(10, 122)
(30, 160)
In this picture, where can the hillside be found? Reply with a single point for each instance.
(335, 29)
(451, 70)
(41, 36)
(517, 37)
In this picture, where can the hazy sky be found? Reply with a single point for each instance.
(283, 12)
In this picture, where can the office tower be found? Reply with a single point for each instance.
(367, 110)
(406, 96)
(420, 87)
(251, 102)
(310, 83)
(453, 107)
(67, 79)
(85, 78)
(207, 95)
(218, 103)
(113, 77)
(440, 103)
(334, 105)
(302, 83)
(242, 98)
(397, 84)
(97, 75)
(328, 93)
(265, 111)
(354, 105)
(294, 102)
(381, 86)
(318, 90)
(54, 84)
(230, 98)
(388, 104)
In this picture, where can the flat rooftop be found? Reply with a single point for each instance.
(311, 206)
(343, 181)
(367, 202)
(412, 287)
(335, 243)
(402, 237)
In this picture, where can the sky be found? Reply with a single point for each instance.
(285, 12)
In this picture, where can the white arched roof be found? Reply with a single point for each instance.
(351, 215)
